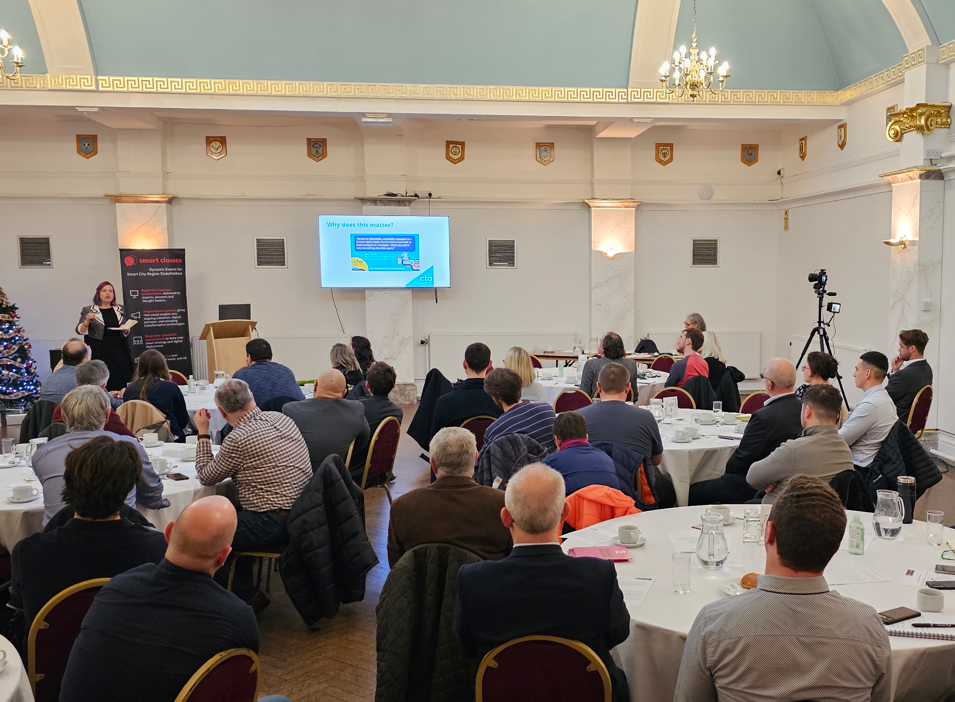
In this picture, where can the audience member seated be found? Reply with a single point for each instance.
(612, 419)
(62, 380)
(791, 638)
(97, 542)
(86, 410)
(692, 364)
(580, 463)
(533, 419)
(267, 459)
(819, 369)
(712, 353)
(452, 510)
(97, 374)
(611, 350)
(344, 361)
(329, 423)
(467, 398)
(377, 407)
(266, 378)
(151, 383)
(910, 371)
(519, 361)
(777, 421)
(819, 451)
(150, 629)
(694, 320)
(873, 417)
(538, 589)
(361, 347)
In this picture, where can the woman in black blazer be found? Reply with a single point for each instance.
(96, 325)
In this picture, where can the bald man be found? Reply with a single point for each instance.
(331, 423)
(63, 379)
(152, 627)
(778, 421)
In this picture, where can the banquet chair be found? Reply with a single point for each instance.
(536, 362)
(663, 363)
(178, 378)
(268, 555)
(142, 418)
(276, 404)
(754, 402)
(38, 418)
(571, 400)
(52, 635)
(477, 426)
(594, 504)
(381, 455)
(542, 668)
(629, 394)
(918, 414)
(230, 676)
(684, 400)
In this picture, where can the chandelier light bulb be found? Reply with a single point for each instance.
(4, 37)
(712, 51)
(665, 68)
(703, 56)
(683, 50)
(17, 54)
(676, 56)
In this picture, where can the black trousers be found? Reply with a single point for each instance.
(727, 488)
(254, 530)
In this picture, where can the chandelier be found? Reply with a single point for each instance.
(692, 73)
(17, 56)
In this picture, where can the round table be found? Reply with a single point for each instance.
(206, 399)
(922, 669)
(14, 683)
(646, 389)
(700, 459)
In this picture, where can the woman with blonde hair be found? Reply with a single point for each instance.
(343, 359)
(713, 355)
(519, 361)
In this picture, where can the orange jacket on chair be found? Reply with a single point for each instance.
(597, 503)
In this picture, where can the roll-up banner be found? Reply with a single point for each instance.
(154, 291)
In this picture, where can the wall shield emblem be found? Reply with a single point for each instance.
(842, 135)
(803, 148)
(749, 154)
(454, 151)
(317, 148)
(664, 154)
(86, 145)
(545, 152)
(216, 147)
(889, 111)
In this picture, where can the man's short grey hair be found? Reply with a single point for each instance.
(535, 498)
(233, 395)
(92, 372)
(85, 408)
(453, 450)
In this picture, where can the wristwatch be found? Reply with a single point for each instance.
(204, 436)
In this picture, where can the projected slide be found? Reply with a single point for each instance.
(384, 252)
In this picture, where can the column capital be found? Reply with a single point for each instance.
(610, 204)
(387, 201)
(141, 199)
(907, 175)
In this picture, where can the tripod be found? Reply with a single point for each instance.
(820, 330)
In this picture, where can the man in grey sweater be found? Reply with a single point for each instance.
(818, 451)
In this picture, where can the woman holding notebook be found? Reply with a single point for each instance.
(104, 328)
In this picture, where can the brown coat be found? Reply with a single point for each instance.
(452, 510)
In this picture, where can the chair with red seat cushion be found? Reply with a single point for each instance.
(542, 669)
(268, 555)
(754, 402)
(230, 676)
(52, 635)
(571, 400)
(536, 362)
(684, 400)
(662, 363)
(477, 426)
(381, 455)
(178, 378)
(918, 414)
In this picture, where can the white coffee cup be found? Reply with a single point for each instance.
(691, 431)
(680, 435)
(707, 417)
(192, 440)
(24, 492)
(150, 439)
(160, 465)
(930, 600)
(189, 453)
(741, 426)
(722, 510)
(628, 533)
(22, 450)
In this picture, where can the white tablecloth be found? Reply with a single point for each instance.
(645, 388)
(922, 669)
(701, 459)
(14, 683)
(206, 399)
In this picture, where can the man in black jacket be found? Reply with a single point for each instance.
(910, 371)
(467, 399)
(538, 590)
(777, 421)
(381, 381)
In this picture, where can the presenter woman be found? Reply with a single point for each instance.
(96, 325)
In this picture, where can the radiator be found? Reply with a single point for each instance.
(307, 356)
(446, 351)
(846, 355)
(741, 348)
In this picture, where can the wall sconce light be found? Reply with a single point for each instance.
(610, 250)
(902, 241)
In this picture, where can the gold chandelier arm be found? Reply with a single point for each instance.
(9, 76)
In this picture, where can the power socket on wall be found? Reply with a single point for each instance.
(933, 154)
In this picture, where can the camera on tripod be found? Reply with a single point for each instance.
(819, 277)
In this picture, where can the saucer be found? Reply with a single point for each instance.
(640, 542)
(730, 521)
(732, 587)
(187, 460)
(680, 441)
(22, 502)
(156, 445)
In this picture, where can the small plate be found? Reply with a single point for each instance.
(732, 587)
(731, 521)
(680, 441)
(22, 502)
(152, 446)
(9, 465)
(187, 460)
(617, 542)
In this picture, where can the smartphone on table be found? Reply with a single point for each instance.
(899, 614)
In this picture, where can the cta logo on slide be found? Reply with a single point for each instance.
(425, 280)
(358, 265)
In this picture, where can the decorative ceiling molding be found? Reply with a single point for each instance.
(653, 35)
(914, 25)
(141, 199)
(59, 24)
(946, 52)
(610, 204)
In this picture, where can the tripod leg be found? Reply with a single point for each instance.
(815, 330)
(824, 337)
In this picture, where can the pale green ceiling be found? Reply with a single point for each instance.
(17, 19)
(941, 13)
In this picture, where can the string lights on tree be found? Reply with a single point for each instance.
(19, 387)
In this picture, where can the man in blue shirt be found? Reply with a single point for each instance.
(533, 419)
(265, 378)
(580, 463)
(63, 379)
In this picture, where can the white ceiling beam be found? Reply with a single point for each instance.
(622, 129)
(653, 33)
(915, 26)
(62, 37)
(121, 119)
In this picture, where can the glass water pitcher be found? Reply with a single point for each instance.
(711, 548)
(887, 518)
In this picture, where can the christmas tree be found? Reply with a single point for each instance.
(19, 387)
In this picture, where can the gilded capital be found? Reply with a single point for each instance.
(921, 118)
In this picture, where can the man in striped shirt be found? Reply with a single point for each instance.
(534, 419)
(267, 459)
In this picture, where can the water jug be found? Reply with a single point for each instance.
(887, 518)
(711, 548)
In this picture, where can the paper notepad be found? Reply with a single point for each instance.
(126, 326)
(605, 553)
(906, 629)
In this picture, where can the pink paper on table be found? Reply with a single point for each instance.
(604, 553)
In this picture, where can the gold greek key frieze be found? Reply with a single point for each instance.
(921, 118)
(946, 52)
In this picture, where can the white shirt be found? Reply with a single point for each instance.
(868, 425)
(773, 398)
(906, 364)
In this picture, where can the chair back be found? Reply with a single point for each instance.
(277, 403)
(662, 363)
(851, 488)
(754, 402)
(701, 391)
(54, 431)
(230, 676)
(536, 362)
(541, 669)
(52, 635)
(382, 450)
(178, 378)
(38, 418)
(684, 400)
(477, 426)
(571, 400)
(918, 414)
(141, 417)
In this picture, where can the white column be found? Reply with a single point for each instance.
(143, 221)
(611, 268)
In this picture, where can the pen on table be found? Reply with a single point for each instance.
(926, 625)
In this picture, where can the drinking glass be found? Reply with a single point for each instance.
(681, 572)
(8, 445)
(718, 407)
(751, 525)
(933, 520)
